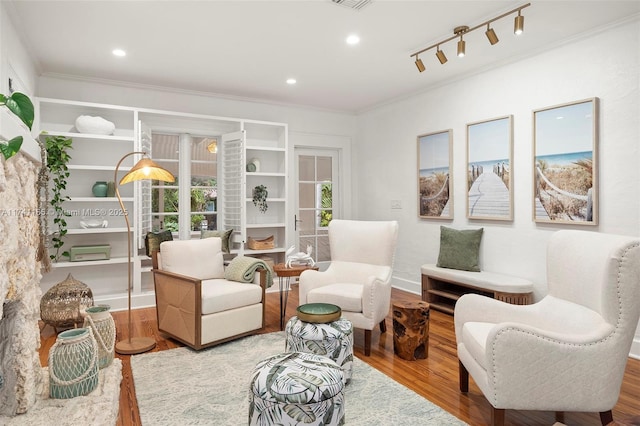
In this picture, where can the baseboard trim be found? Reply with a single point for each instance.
(635, 348)
(406, 285)
(120, 302)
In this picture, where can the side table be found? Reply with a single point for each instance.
(411, 330)
(284, 274)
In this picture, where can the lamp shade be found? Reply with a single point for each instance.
(147, 169)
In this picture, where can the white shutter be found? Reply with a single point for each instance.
(233, 185)
(143, 203)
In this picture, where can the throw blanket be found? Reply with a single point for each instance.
(243, 269)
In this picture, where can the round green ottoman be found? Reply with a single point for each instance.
(296, 388)
(333, 339)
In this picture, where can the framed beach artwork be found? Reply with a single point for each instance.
(489, 169)
(565, 140)
(434, 175)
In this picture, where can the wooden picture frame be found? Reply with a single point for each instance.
(435, 161)
(490, 169)
(565, 163)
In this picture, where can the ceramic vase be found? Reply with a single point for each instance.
(111, 189)
(99, 319)
(73, 364)
(99, 189)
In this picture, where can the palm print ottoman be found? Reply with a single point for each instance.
(334, 340)
(296, 388)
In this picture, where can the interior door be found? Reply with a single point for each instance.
(317, 199)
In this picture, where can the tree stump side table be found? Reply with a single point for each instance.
(411, 330)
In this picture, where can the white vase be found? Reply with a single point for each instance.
(99, 319)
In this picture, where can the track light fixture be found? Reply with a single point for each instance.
(460, 31)
(491, 35)
(440, 55)
(518, 24)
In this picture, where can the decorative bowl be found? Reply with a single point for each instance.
(94, 222)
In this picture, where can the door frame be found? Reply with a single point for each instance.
(341, 144)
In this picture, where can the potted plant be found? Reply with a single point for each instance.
(19, 104)
(212, 197)
(260, 194)
(57, 160)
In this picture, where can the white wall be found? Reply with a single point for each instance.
(15, 64)
(15, 60)
(604, 65)
(303, 120)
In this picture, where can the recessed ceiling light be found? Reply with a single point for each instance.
(119, 52)
(291, 81)
(353, 39)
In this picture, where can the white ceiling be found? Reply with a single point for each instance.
(248, 49)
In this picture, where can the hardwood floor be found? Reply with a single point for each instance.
(435, 378)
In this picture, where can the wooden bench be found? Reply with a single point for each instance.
(442, 287)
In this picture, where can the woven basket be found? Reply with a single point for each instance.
(264, 244)
(62, 305)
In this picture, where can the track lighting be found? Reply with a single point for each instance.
(461, 43)
(460, 31)
(440, 55)
(491, 35)
(518, 24)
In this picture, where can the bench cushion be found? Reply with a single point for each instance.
(491, 281)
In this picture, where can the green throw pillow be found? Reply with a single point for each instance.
(460, 249)
(224, 236)
(153, 240)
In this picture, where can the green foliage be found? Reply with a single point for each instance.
(199, 199)
(57, 160)
(260, 195)
(326, 214)
(19, 104)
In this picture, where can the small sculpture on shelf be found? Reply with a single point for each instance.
(300, 258)
(94, 125)
(93, 222)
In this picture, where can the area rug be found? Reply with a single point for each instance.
(185, 387)
(98, 408)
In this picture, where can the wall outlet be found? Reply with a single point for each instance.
(396, 204)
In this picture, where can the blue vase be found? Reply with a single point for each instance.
(99, 189)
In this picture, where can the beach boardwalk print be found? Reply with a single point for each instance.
(564, 163)
(489, 172)
(434, 169)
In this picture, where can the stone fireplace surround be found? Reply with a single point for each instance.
(20, 369)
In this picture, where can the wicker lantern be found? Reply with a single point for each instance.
(64, 303)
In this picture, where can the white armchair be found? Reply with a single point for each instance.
(359, 276)
(195, 304)
(568, 351)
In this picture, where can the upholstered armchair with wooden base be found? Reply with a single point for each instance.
(568, 351)
(359, 276)
(195, 304)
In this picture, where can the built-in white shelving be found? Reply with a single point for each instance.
(94, 158)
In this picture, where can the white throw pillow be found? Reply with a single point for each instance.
(202, 259)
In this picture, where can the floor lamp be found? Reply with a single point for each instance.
(144, 169)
